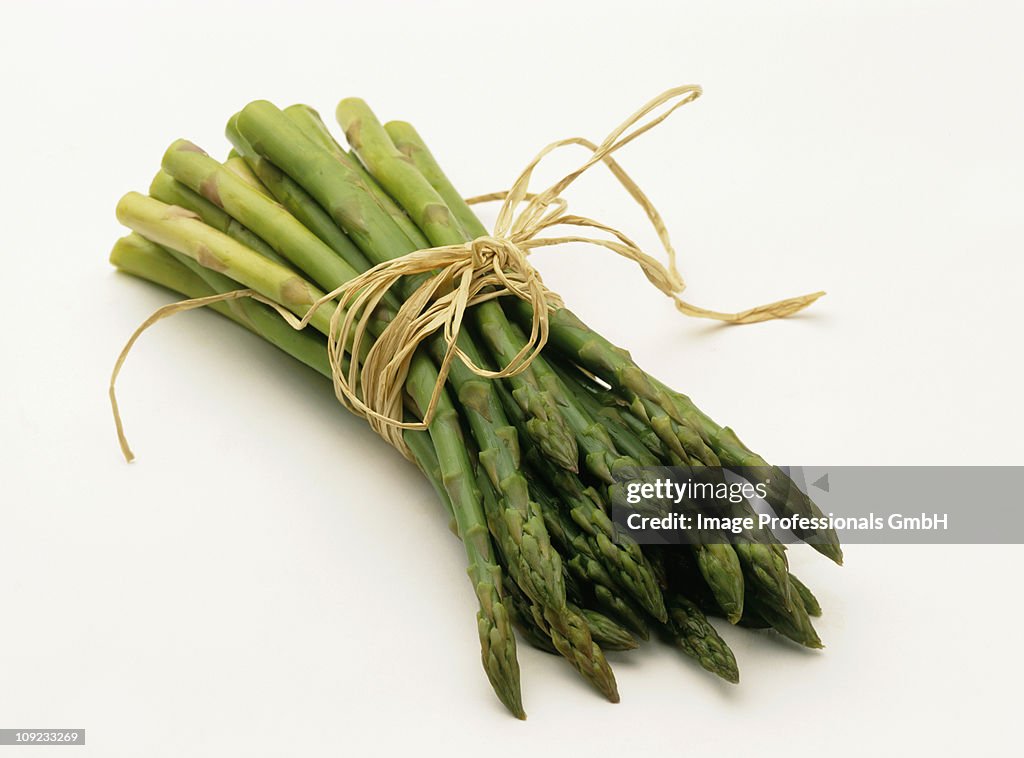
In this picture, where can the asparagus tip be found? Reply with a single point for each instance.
(830, 550)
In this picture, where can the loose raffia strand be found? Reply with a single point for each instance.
(167, 311)
(464, 275)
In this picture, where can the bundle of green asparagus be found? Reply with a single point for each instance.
(525, 465)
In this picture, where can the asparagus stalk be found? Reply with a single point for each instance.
(527, 540)
(617, 607)
(620, 555)
(309, 121)
(181, 230)
(426, 458)
(720, 567)
(576, 645)
(568, 631)
(497, 640)
(167, 189)
(141, 258)
(409, 143)
(810, 602)
(145, 259)
(270, 221)
(522, 617)
(625, 438)
(794, 625)
(692, 633)
(236, 164)
(606, 632)
(297, 201)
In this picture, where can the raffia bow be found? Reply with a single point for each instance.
(458, 277)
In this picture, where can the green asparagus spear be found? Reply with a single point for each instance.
(795, 624)
(297, 201)
(409, 143)
(167, 189)
(618, 608)
(605, 632)
(497, 641)
(620, 555)
(720, 567)
(270, 221)
(143, 259)
(236, 164)
(811, 604)
(692, 633)
(426, 458)
(623, 436)
(182, 231)
(568, 631)
(521, 611)
(309, 121)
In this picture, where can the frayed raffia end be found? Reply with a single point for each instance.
(465, 275)
(778, 309)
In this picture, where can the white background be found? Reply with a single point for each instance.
(269, 579)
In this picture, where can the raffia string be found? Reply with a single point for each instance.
(462, 276)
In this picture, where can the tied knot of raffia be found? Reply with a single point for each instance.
(494, 251)
(451, 279)
(504, 260)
